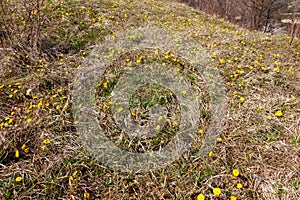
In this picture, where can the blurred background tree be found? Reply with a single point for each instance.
(263, 15)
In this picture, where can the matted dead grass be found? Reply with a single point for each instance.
(260, 137)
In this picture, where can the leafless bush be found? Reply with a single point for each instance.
(252, 14)
(21, 25)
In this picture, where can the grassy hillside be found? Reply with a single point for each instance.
(42, 158)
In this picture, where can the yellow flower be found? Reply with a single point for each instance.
(19, 178)
(235, 172)
(40, 104)
(250, 155)
(269, 117)
(232, 197)
(217, 191)
(46, 141)
(133, 113)
(105, 85)
(26, 150)
(75, 173)
(200, 131)
(29, 120)
(211, 154)
(157, 127)
(278, 113)
(200, 197)
(219, 139)
(23, 146)
(86, 195)
(17, 153)
(71, 178)
(242, 99)
(239, 185)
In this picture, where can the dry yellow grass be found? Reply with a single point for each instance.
(261, 74)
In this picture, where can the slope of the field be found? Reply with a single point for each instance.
(41, 157)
